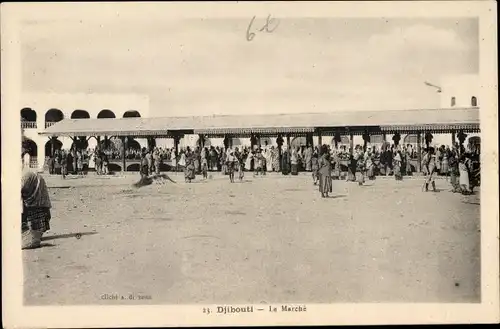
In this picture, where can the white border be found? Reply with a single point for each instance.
(15, 315)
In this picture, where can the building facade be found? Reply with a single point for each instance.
(39, 111)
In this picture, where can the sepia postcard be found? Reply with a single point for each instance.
(249, 163)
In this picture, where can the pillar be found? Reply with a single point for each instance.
(453, 138)
(310, 141)
(384, 137)
(320, 140)
(288, 140)
(52, 146)
(124, 158)
(351, 143)
(419, 152)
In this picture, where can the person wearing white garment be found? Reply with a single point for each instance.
(26, 160)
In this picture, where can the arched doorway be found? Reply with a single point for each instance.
(106, 114)
(80, 114)
(410, 139)
(48, 147)
(52, 116)
(131, 114)
(298, 142)
(30, 147)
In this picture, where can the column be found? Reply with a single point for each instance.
(288, 140)
(320, 140)
(419, 152)
(310, 141)
(453, 138)
(124, 158)
(384, 137)
(351, 143)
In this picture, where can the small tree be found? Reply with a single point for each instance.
(337, 139)
(428, 139)
(396, 138)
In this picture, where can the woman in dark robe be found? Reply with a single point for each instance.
(35, 218)
(189, 173)
(285, 162)
(325, 170)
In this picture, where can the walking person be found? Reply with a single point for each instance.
(430, 164)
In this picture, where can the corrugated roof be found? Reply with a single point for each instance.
(262, 123)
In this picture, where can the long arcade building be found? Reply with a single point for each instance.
(455, 121)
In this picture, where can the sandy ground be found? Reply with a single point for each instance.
(271, 239)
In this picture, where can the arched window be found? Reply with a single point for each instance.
(131, 114)
(80, 114)
(52, 116)
(30, 147)
(28, 114)
(473, 101)
(453, 101)
(106, 114)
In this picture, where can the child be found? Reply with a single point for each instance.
(315, 167)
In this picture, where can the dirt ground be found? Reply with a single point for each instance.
(268, 239)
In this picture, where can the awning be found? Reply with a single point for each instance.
(445, 120)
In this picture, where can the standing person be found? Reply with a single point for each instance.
(444, 162)
(276, 159)
(248, 161)
(454, 172)
(36, 205)
(189, 173)
(439, 157)
(431, 169)
(308, 158)
(52, 161)
(294, 161)
(257, 164)
(336, 165)
(324, 171)
(315, 167)
(230, 162)
(98, 162)
(285, 162)
(144, 166)
(360, 167)
(149, 159)
(157, 161)
(425, 159)
(79, 162)
(63, 162)
(397, 165)
(26, 159)
(351, 174)
(204, 163)
(182, 160)
(370, 171)
(464, 169)
(105, 163)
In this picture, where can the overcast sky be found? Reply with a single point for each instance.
(202, 67)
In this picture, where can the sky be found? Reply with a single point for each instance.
(208, 66)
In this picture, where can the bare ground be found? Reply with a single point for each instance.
(271, 239)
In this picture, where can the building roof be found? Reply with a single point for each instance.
(397, 120)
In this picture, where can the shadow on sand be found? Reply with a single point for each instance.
(69, 235)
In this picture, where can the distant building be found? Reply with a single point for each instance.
(41, 110)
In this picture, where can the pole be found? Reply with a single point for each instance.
(320, 139)
(124, 158)
(419, 152)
